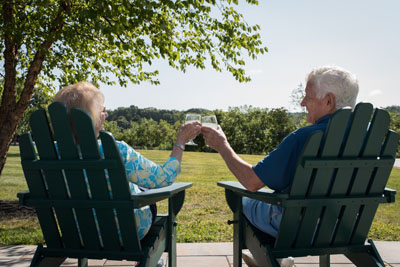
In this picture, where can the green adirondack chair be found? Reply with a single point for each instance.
(338, 184)
(66, 218)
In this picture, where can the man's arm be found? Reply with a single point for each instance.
(243, 171)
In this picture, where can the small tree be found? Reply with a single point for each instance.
(58, 42)
(296, 97)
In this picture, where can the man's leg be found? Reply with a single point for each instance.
(266, 218)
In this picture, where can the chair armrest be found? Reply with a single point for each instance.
(389, 195)
(136, 201)
(264, 194)
(154, 195)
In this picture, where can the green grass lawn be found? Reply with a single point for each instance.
(205, 212)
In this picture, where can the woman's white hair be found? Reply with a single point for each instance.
(340, 82)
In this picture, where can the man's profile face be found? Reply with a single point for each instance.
(315, 107)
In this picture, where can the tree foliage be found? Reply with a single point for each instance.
(47, 44)
(296, 97)
(249, 130)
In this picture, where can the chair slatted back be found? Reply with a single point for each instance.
(353, 159)
(62, 176)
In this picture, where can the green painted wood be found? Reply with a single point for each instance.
(54, 178)
(120, 189)
(345, 225)
(302, 176)
(155, 242)
(379, 178)
(96, 178)
(37, 189)
(75, 178)
(320, 185)
(363, 224)
(298, 190)
(374, 140)
(70, 164)
(382, 174)
(364, 176)
(333, 141)
(351, 148)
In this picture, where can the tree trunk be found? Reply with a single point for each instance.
(11, 111)
(8, 126)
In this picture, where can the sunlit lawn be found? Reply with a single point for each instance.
(205, 212)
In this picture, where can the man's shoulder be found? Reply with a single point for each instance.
(310, 129)
(303, 132)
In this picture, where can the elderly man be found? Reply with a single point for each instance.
(328, 88)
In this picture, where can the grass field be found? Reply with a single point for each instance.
(205, 212)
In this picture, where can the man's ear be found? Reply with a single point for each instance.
(331, 102)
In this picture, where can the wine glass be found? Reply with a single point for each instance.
(191, 118)
(209, 121)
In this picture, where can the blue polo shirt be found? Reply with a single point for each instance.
(276, 171)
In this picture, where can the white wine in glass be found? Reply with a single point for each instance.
(191, 118)
(209, 121)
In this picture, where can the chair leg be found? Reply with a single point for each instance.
(40, 260)
(174, 205)
(238, 225)
(37, 257)
(83, 262)
(51, 262)
(324, 260)
(369, 258)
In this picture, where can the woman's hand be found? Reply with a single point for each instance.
(188, 132)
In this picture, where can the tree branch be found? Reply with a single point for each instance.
(37, 62)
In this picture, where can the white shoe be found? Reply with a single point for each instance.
(286, 262)
(160, 263)
(251, 262)
(249, 259)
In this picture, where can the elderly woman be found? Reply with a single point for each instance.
(141, 172)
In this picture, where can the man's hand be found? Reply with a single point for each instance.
(215, 138)
(243, 171)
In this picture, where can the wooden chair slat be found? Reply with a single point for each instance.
(302, 178)
(37, 188)
(382, 174)
(320, 184)
(352, 143)
(373, 144)
(96, 178)
(120, 189)
(287, 233)
(54, 178)
(75, 178)
(363, 223)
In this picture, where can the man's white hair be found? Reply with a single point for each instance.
(340, 82)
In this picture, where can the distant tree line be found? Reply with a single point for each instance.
(249, 130)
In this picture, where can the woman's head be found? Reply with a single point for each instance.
(86, 96)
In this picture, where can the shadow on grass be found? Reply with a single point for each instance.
(13, 155)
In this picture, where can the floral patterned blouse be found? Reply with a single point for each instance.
(145, 173)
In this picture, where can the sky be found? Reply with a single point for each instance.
(362, 36)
